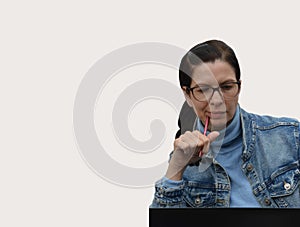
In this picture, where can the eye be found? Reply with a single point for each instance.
(227, 87)
(203, 89)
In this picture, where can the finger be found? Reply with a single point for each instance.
(197, 141)
(205, 145)
(210, 138)
(182, 153)
(180, 144)
(213, 136)
(191, 139)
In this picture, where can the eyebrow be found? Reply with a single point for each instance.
(224, 82)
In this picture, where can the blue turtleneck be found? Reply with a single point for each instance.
(229, 157)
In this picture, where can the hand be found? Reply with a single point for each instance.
(186, 151)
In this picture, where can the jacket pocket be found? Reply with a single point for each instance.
(283, 186)
(198, 194)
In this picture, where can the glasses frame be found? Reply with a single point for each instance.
(189, 89)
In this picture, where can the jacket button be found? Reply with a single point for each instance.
(287, 186)
(197, 201)
(267, 202)
(249, 167)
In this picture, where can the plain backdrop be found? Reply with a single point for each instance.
(46, 48)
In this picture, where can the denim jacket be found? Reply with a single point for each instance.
(270, 161)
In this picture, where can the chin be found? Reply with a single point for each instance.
(218, 124)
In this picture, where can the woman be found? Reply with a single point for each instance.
(223, 155)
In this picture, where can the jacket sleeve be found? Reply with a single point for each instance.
(168, 194)
(299, 142)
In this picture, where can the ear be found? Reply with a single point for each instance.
(240, 86)
(187, 97)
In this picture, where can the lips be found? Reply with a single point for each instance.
(217, 114)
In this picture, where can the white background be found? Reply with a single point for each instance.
(46, 47)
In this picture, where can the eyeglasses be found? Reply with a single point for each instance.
(204, 93)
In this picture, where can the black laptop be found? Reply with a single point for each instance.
(231, 217)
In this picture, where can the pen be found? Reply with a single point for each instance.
(205, 131)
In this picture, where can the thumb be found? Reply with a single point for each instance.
(213, 135)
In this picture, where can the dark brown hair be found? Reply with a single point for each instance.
(208, 51)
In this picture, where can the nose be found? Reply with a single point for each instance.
(216, 98)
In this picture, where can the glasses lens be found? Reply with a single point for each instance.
(204, 93)
(229, 90)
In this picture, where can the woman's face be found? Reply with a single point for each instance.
(219, 111)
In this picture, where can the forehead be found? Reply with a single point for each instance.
(213, 73)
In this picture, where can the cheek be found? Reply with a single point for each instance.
(199, 109)
(231, 107)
